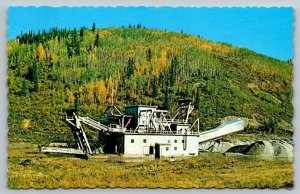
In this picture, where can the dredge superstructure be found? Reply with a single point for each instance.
(144, 130)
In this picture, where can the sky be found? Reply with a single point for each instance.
(267, 31)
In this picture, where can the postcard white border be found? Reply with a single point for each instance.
(4, 4)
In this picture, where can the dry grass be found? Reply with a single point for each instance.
(27, 168)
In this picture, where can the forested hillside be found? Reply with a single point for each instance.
(53, 71)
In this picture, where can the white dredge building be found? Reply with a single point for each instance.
(144, 131)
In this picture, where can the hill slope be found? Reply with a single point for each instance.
(51, 72)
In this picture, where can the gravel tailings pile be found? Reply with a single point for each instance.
(265, 148)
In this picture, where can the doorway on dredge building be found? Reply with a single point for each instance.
(151, 150)
(112, 143)
(157, 151)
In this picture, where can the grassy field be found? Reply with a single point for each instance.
(28, 168)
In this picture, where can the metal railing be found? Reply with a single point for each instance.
(92, 123)
(131, 131)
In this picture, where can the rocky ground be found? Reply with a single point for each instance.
(264, 148)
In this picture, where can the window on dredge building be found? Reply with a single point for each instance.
(132, 140)
(167, 148)
(145, 140)
(175, 141)
(175, 148)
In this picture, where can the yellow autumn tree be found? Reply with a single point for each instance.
(12, 45)
(81, 94)
(110, 84)
(100, 91)
(52, 51)
(41, 53)
(70, 96)
(89, 92)
(164, 58)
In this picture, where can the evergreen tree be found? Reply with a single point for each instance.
(149, 55)
(167, 101)
(173, 76)
(154, 87)
(73, 48)
(94, 27)
(197, 99)
(97, 40)
(35, 77)
(24, 89)
(69, 50)
(130, 67)
(75, 44)
(81, 34)
(76, 102)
